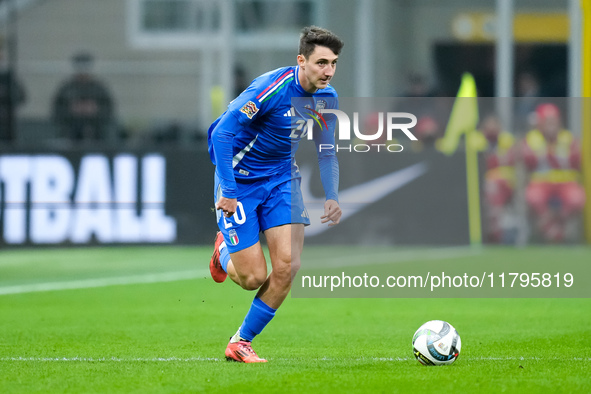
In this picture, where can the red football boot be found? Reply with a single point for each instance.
(242, 352)
(215, 267)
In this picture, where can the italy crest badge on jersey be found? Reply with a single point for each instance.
(320, 104)
(233, 237)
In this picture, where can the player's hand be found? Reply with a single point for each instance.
(332, 213)
(227, 205)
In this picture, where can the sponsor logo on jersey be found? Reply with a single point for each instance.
(250, 109)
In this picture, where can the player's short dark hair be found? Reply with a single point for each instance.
(313, 35)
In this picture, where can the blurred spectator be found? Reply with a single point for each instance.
(427, 132)
(528, 91)
(418, 87)
(420, 99)
(83, 105)
(12, 94)
(552, 156)
(499, 152)
(431, 111)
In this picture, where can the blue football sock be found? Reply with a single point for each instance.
(259, 315)
(224, 257)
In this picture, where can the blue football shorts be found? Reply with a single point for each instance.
(262, 205)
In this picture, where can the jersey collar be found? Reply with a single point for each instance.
(297, 83)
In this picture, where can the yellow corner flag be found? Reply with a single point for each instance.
(463, 117)
(463, 120)
(217, 101)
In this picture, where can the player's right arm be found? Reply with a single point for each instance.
(240, 113)
(227, 205)
(222, 138)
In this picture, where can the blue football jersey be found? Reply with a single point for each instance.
(258, 135)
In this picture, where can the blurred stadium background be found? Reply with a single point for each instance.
(129, 165)
(104, 107)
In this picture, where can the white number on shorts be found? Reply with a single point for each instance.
(239, 216)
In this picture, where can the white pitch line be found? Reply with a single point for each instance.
(343, 261)
(200, 359)
(103, 282)
(104, 359)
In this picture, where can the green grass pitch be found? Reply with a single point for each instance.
(168, 334)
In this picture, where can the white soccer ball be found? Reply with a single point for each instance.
(436, 343)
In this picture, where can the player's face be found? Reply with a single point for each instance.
(318, 69)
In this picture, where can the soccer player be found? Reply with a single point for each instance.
(257, 182)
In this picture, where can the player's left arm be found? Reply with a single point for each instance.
(329, 168)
